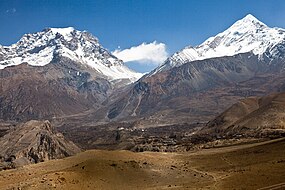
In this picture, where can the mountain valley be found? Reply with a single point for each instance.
(208, 117)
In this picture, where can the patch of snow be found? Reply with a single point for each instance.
(65, 32)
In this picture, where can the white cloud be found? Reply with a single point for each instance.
(151, 53)
(13, 10)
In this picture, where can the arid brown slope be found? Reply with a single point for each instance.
(253, 116)
(194, 92)
(252, 166)
(249, 166)
(60, 88)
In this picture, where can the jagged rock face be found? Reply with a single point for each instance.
(35, 141)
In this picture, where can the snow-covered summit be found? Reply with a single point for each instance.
(246, 35)
(63, 31)
(40, 48)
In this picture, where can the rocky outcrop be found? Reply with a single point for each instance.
(33, 142)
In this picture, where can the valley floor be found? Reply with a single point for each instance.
(251, 166)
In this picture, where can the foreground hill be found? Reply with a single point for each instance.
(255, 116)
(249, 166)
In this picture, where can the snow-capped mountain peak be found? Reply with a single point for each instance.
(249, 20)
(40, 48)
(245, 35)
(63, 31)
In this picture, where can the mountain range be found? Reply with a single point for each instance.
(55, 72)
(42, 48)
(67, 76)
(220, 105)
(197, 83)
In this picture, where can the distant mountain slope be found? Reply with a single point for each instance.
(33, 142)
(58, 89)
(195, 91)
(250, 63)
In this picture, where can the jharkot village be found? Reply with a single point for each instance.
(142, 94)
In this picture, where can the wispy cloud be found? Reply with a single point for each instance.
(145, 53)
(13, 10)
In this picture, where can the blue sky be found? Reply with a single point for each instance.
(173, 24)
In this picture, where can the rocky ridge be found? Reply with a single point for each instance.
(34, 142)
